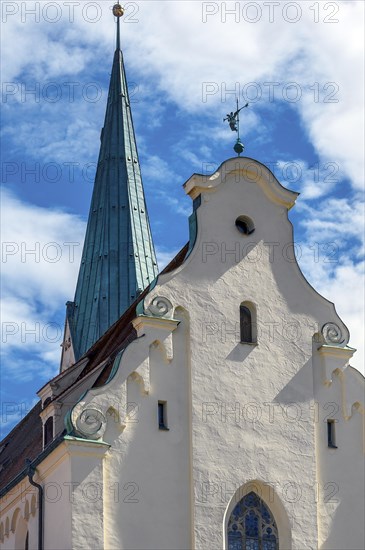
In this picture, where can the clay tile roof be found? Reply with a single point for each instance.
(24, 441)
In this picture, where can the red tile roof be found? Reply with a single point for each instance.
(24, 441)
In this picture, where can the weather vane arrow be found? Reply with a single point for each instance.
(233, 120)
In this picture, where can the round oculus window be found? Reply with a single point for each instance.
(245, 225)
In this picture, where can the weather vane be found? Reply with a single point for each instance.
(234, 124)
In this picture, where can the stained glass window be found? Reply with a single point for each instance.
(251, 526)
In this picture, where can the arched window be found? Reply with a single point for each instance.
(251, 526)
(47, 402)
(48, 431)
(248, 323)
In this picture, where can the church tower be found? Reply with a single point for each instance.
(118, 259)
(220, 411)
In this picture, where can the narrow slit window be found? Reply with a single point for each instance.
(331, 436)
(246, 324)
(162, 418)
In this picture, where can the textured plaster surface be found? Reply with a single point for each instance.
(241, 417)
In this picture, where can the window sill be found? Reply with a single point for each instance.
(332, 447)
(163, 428)
(249, 343)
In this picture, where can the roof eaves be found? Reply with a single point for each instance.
(55, 443)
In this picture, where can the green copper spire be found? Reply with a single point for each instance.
(118, 259)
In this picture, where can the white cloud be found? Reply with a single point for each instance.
(165, 181)
(181, 206)
(311, 181)
(157, 170)
(336, 220)
(332, 261)
(175, 53)
(165, 256)
(52, 135)
(344, 286)
(41, 251)
(239, 52)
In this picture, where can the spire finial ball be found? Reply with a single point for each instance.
(239, 147)
(118, 10)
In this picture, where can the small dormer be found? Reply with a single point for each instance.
(48, 414)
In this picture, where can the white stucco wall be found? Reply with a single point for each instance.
(340, 471)
(271, 382)
(229, 449)
(16, 511)
(241, 417)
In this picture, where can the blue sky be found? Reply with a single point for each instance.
(299, 65)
